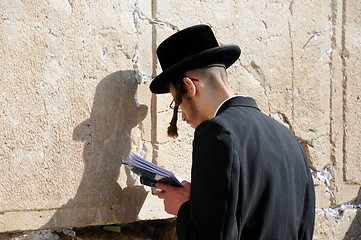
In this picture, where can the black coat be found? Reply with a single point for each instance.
(250, 179)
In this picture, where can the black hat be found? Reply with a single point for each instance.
(192, 48)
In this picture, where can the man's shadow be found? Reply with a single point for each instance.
(107, 142)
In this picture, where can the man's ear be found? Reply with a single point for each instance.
(190, 86)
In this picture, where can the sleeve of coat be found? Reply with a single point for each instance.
(207, 214)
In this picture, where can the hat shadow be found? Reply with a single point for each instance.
(99, 198)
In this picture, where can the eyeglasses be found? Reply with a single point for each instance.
(172, 104)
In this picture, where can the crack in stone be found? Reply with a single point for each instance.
(137, 14)
(153, 103)
(315, 36)
(144, 78)
(326, 177)
(338, 211)
(261, 83)
(292, 70)
(152, 20)
(156, 21)
(135, 58)
(344, 89)
(291, 7)
(71, 5)
(259, 72)
(140, 77)
(305, 143)
(332, 22)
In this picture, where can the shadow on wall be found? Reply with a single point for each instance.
(107, 136)
(354, 232)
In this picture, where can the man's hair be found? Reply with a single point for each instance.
(180, 90)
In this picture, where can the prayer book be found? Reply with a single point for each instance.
(150, 173)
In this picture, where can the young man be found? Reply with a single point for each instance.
(250, 177)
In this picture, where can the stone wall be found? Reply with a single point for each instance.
(74, 102)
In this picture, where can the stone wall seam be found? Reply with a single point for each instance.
(332, 22)
(154, 139)
(330, 186)
(344, 88)
(140, 77)
(293, 66)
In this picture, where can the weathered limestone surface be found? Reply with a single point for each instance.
(74, 101)
(343, 225)
(70, 113)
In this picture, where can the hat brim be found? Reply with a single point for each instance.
(227, 54)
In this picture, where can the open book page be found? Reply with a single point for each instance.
(150, 173)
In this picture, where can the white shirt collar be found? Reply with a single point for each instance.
(226, 101)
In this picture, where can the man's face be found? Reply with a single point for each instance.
(188, 108)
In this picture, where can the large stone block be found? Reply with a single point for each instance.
(352, 92)
(70, 113)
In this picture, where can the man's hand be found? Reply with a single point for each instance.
(174, 197)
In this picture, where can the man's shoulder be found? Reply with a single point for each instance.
(212, 125)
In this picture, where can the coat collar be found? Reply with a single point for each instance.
(237, 101)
